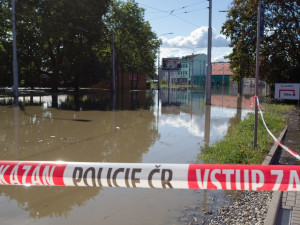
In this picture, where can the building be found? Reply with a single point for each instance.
(184, 75)
(221, 73)
(170, 70)
(130, 81)
(199, 66)
(164, 75)
(193, 69)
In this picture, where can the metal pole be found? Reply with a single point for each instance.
(113, 64)
(15, 60)
(192, 69)
(257, 72)
(223, 76)
(208, 76)
(169, 78)
(200, 74)
(158, 64)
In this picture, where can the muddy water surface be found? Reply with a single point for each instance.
(169, 127)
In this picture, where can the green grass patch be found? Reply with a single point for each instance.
(237, 146)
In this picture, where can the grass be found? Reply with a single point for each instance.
(237, 146)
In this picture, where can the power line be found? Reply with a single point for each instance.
(154, 8)
(186, 21)
(183, 7)
(170, 13)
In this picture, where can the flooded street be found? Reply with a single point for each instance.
(130, 127)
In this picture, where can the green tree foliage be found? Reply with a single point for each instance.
(135, 43)
(280, 53)
(71, 30)
(5, 45)
(70, 40)
(55, 38)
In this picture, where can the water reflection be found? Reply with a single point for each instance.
(207, 124)
(145, 126)
(47, 201)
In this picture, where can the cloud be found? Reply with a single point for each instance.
(196, 43)
(197, 38)
(218, 53)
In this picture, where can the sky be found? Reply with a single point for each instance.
(187, 20)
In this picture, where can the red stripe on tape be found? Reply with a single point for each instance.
(31, 173)
(244, 177)
(143, 175)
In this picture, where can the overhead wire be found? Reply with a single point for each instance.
(168, 15)
(171, 12)
(183, 7)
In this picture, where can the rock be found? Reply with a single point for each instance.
(249, 208)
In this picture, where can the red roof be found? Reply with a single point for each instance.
(220, 68)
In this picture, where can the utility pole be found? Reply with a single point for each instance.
(223, 76)
(169, 78)
(208, 76)
(15, 61)
(158, 62)
(158, 65)
(113, 65)
(259, 35)
(192, 69)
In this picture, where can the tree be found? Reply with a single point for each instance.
(69, 40)
(135, 43)
(71, 29)
(280, 53)
(56, 38)
(5, 45)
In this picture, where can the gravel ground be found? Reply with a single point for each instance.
(249, 208)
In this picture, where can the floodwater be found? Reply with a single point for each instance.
(132, 127)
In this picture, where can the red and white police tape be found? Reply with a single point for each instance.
(274, 138)
(143, 175)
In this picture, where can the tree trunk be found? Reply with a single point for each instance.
(132, 75)
(137, 80)
(76, 83)
(117, 76)
(54, 82)
(122, 71)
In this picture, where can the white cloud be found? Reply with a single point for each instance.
(218, 53)
(197, 38)
(183, 122)
(195, 43)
